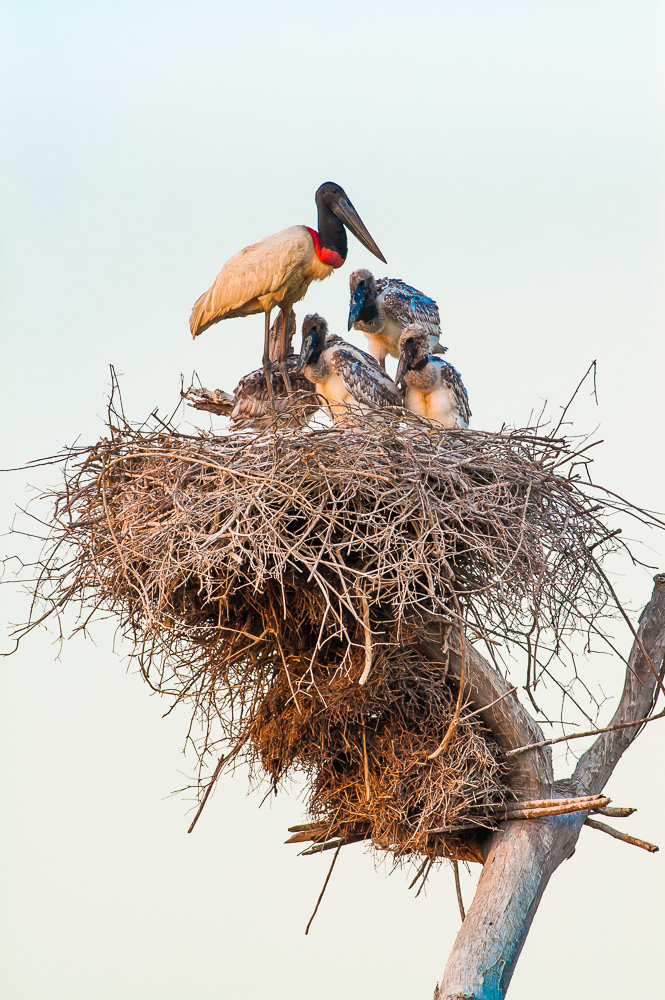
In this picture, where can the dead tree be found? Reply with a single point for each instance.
(303, 592)
(522, 855)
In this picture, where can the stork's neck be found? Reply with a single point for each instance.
(330, 242)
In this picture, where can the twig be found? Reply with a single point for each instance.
(604, 828)
(578, 801)
(605, 538)
(458, 889)
(330, 845)
(592, 367)
(366, 765)
(558, 807)
(419, 873)
(562, 810)
(368, 640)
(430, 865)
(619, 812)
(211, 784)
(590, 732)
(496, 701)
(460, 695)
(325, 885)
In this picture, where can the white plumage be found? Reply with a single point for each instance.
(433, 388)
(383, 307)
(276, 271)
(348, 379)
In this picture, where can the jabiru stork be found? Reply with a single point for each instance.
(383, 307)
(346, 377)
(433, 388)
(278, 270)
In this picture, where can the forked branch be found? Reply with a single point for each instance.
(521, 856)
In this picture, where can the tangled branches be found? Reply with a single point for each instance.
(275, 583)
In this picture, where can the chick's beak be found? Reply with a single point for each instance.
(356, 304)
(305, 352)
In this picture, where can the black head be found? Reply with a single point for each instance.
(330, 197)
(362, 304)
(329, 193)
(412, 344)
(314, 333)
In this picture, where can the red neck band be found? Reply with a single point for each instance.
(326, 256)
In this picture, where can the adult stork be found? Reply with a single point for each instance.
(278, 270)
(346, 377)
(433, 388)
(383, 307)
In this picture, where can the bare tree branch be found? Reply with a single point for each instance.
(498, 706)
(618, 835)
(637, 701)
(521, 857)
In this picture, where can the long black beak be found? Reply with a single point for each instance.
(345, 211)
(306, 351)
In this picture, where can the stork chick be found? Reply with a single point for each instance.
(249, 406)
(346, 377)
(383, 307)
(251, 410)
(278, 270)
(433, 388)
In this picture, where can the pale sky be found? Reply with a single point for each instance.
(508, 160)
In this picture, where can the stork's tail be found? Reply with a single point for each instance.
(202, 315)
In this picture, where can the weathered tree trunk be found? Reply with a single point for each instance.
(521, 859)
(522, 855)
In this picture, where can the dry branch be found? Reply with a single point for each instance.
(618, 835)
(523, 855)
(646, 667)
(618, 811)
(213, 400)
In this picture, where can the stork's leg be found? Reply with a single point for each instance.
(282, 352)
(267, 364)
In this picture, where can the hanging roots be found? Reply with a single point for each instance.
(276, 582)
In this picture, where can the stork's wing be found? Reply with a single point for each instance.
(251, 400)
(407, 305)
(333, 340)
(369, 384)
(261, 269)
(369, 359)
(453, 379)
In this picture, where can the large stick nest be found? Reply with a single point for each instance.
(276, 582)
